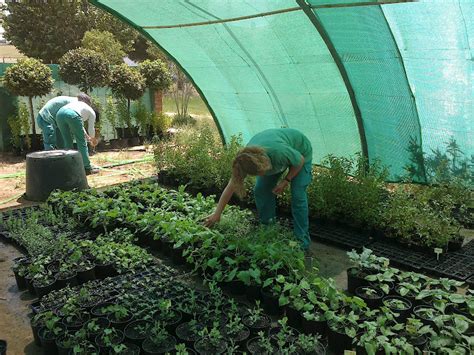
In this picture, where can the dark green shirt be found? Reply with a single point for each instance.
(284, 147)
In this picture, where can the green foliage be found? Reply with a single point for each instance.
(84, 68)
(20, 126)
(109, 114)
(127, 82)
(156, 74)
(124, 117)
(38, 29)
(105, 43)
(142, 116)
(160, 123)
(29, 77)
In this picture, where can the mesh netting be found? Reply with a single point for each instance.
(394, 81)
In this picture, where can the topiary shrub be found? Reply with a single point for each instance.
(127, 83)
(84, 68)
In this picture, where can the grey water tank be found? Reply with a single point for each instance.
(53, 169)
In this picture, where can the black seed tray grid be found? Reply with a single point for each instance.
(470, 282)
(339, 237)
(400, 256)
(467, 249)
(453, 265)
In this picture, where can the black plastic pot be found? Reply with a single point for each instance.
(29, 285)
(97, 310)
(149, 348)
(62, 350)
(104, 324)
(41, 290)
(338, 342)
(68, 281)
(270, 303)
(403, 313)
(20, 281)
(133, 336)
(294, 317)
(3, 347)
(100, 344)
(104, 270)
(48, 341)
(241, 338)
(120, 323)
(254, 348)
(34, 330)
(186, 335)
(236, 287)
(425, 320)
(262, 325)
(91, 350)
(203, 347)
(372, 301)
(132, 349)
(171, 323)
(314, 326)
(354, 281)
(76, 322)
(86, 275)
(253, 294)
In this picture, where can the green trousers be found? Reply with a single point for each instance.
(52, 138)
(265, 200)
(71, 126)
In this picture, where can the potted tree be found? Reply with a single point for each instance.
(29, 77)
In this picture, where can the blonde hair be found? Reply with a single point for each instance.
(249, 161)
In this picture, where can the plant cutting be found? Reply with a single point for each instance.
(189, 332)
(236, 330)
(401, 306)
(283, 337)
(309, 344)
(256, 320)
(371, 295)
(210, 341)
(108, 339)
(159, 341)
(260, 345)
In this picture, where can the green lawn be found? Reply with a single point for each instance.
(196, 106)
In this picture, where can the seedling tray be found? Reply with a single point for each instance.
(453, 265)
(400, 256)
(468, 249)
(340, 237)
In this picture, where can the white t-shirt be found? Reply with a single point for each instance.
(86, 112)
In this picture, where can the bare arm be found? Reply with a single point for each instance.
(292, 172)
(223, 201)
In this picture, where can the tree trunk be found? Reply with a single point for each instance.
(34, 142)
(158, 101)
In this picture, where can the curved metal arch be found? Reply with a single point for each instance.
(175, 61)
(342, 70)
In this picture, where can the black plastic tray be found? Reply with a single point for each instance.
(400, 256)
(467, 249)
(453, 265)
(343, 238)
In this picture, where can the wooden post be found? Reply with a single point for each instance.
(158, 101)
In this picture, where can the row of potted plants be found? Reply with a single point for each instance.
(348, 191)
(279, 286)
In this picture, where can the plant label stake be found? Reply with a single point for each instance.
(349, 352)
(437, 252)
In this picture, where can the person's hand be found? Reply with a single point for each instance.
(209, 221)
(282, 185)
(94, 142)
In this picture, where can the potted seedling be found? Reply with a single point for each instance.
(96, 326)
(189, 332)
(211, 341)
(366, 263)
(427, 314)
(256, 320)
(118, 315)
(87, 300)
(20, 269)
(125, 349)
(371, 295)
(159, 341)
(401, 306)
(310, 344)
(236, 330)
(75, 319)
(52, 330)
(166, 314)
(417, 333)
(68, 340)
(283, 337)
(342, 328)
(84, 348)
(261, 345)
(66, 276)
(137, 331)
(181, 349)
(108, 339)
(43, 283)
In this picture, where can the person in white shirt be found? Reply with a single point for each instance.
(70, 120)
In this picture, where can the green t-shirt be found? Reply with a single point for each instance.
(49, 111)
(284, 147)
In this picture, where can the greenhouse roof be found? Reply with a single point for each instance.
(391, 79)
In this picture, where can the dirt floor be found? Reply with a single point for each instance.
(12, 172)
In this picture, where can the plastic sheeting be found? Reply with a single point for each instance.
(393, 81)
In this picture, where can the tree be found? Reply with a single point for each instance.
(48, 29)
(127, 83)
(104, 42)
(156, 74)
(29, 77)
(84, 68)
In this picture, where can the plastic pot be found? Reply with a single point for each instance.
(253, 294)
(68, 281)
(42, 290)
(133, 336)
(86, 275)
(314, 326)
(186, 335)
(403, 313)
(203, 347)
(150, 348)
(104, 270)
(294, 317)
(20, 281)
(354, 280)
(373, 300)
(263, 324)
(338, 341)
(3, 347)
(270, 303)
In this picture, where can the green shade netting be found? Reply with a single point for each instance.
(409, 67)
